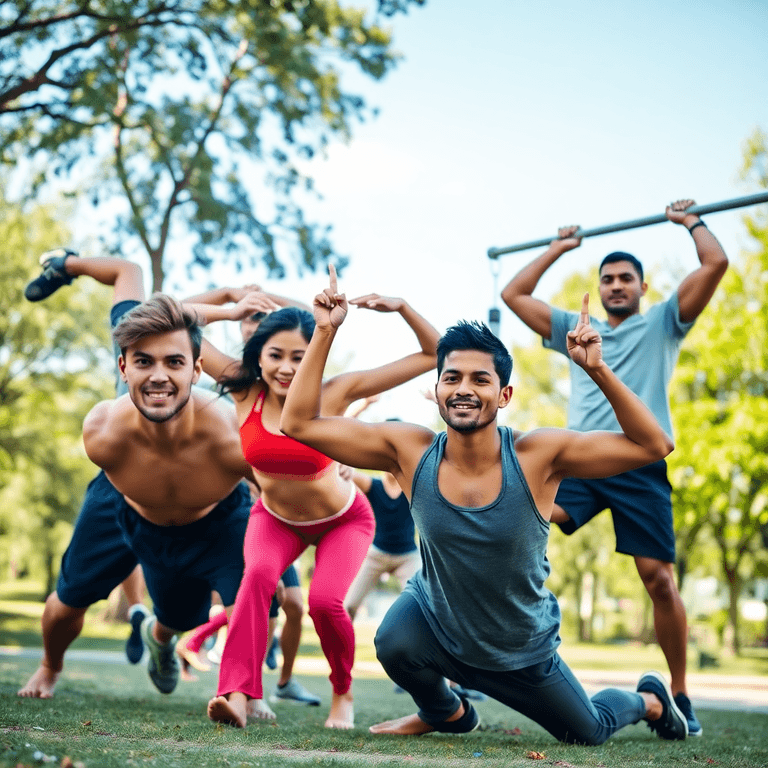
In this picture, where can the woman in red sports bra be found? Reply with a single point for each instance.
(303, 499)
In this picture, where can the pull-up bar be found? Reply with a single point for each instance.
(700, 210)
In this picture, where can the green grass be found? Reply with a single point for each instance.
(106, 715)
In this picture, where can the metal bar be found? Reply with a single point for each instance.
(725, 205)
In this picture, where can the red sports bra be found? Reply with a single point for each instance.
(278, 454)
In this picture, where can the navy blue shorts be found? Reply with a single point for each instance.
(97, 558)
(183, 563)
(640, 502)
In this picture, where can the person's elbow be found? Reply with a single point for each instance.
(662, 447)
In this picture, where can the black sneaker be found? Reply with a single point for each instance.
(53, 277)
(685, 706)
(134, 646)
(672, 724)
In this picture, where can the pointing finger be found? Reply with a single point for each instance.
(585, 310)
(334, 283)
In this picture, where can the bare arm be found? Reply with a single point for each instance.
(601, 454)
(231, 295)
(697, 289)
(100, 442)
(344, 389)
(215, 362)
(372, 446)
(517, 294)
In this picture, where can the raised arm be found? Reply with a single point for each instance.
(345, 388)
(215, 362)
(536, 314)
(697, 289)
(349, 441)
(601, 454)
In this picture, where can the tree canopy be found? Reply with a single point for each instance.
(195, 116)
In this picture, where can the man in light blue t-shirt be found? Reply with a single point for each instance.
(642, 350)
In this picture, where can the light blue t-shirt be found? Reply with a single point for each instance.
(641, 351)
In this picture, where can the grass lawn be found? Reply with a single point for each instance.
(107, 715)
(110, 715)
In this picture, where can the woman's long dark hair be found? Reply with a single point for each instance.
(286, 319)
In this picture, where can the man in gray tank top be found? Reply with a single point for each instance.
(482, 496)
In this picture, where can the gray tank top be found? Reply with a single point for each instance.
(481, 586)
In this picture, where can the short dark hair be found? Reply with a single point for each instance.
(159, 314)
(611, 258)
(285, 319)
(477, 336)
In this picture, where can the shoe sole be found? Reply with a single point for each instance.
(670, 699)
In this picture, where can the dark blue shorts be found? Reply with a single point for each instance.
(290, 579)
(640, 502)
(97, 558)
(183, 563)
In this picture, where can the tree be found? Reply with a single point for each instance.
(186, 112)
(53, 368)
(720, 467)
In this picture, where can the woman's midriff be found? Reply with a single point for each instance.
(304, 500)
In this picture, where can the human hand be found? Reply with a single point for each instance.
(253, 302)
(429, 394)
(330, 306)
(676, 212)
(379, 303)
(565, 238)
(239, 293)
(584, 343)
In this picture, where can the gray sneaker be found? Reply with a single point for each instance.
(163, 665)
(295, 693)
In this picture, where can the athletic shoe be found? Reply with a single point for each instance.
(295, 693)
(53, 277)
(685, 706)
(214, 655)
(163, 665)
(134, 646)
(271, 658)
(672, 724)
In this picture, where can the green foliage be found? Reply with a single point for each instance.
(51, 355)
(719, 471)
(186, 112)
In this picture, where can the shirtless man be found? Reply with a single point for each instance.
(174, 454)
(482, 497)
(222, 468)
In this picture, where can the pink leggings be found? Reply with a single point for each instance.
(342, 543)
(204, 631)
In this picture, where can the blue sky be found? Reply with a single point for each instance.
(506, 119)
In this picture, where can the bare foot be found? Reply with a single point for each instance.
(41, 684)
(342, 714)
(231, 711)
(192, 659)
(411, 725)
(258, 709)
